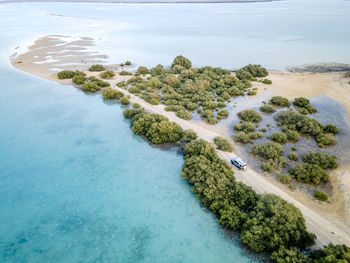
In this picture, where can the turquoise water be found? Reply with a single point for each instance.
(77, 186)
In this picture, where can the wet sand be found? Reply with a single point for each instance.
(329, 221)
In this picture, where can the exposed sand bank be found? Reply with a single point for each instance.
(330, 222)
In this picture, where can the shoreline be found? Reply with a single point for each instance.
(321, 219)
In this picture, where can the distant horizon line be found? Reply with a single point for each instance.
(142, 1)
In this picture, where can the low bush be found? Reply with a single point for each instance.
(101, 83)
(252, 92)
(182, 61)
(125, 73)
(241, 137)
(325, 139)
(250, 115)
(309, 173)
(292, 136)
(267, 81)
(279, 137)
(330, 128)
(305, 105)
(65, 74)
(322, 196)
(267, 151)
(125, 100)
(293, 156)
(183, 114)
(283, 178)
(245, 126)
(127, 63)
(280, 101)
(111, 94)
(223, 114)
(321, 159)
(91, 87)
(107, 74)
(275, 164)
(223, 144)
(267, 109)
(142, 70)
(79, 79)
(97, 68)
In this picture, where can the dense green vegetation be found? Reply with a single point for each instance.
(127, 63)
(272, 153)
(292, 136)
(125, 100)
(267, 81)
(322, 196)
(293, 156)
(321, 159)
(98, 82)
(79, 79)
(279, 137)
(267, 109)
(125, 73)
(266, 222)
(304, 103)
(223, 144)
(283, 178)
(184, 89)
(111, 94)
(65, 74)
(330, 128)
(107, 74)
(309, 173)
(97, 67)
(292, 120)
(251, 72)
(250, 115)
(91, 87)
(280, 101)
(142, 70)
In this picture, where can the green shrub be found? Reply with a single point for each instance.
(304, 104)
(252, 92)
(97, 68)
(330, 128)
(321, 159)
(267, 151)
(251, 71)
(79, 79)
(65, 74)
(322, 196)
(250, 115)
(293, 156)
(131, 113)
(267, 109)
(157, 71)
(155, 127)
(107, 74)
(279, 137)
(292, 136)
(125, 100)
(127, 63)
(280, 101)
(241, 137)
(331, 253)
(275, 164)
(254, 135)
(142, 70)
(309, 173)
(223, 114)
(188, 136)
(267, 81)
(221, 104)
(111, 94)
(223, 144)
(325, 140)
(182, 61)
(293, 120)
(91, 87)
(292, 255)
(283, 178)
(183, 114)
(125, 73)
(100, 83)
(121, 84)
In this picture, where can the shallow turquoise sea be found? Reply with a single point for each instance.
(75, 184)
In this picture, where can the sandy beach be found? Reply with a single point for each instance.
(329, 221)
